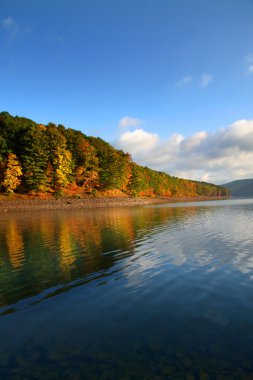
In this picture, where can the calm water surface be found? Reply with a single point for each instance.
(156, 292)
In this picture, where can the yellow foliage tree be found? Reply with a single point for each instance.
(12, 173)
(63, 168)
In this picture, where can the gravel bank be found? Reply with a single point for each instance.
(35, 204)
(70, 203)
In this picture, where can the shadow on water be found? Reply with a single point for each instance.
(159, 292)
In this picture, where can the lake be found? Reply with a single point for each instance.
(154, 292)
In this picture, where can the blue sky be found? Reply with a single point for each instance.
(160, 72)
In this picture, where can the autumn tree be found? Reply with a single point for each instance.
(87, 171)
(60, 158)
(12, 174)
(52, 157)
(85, 160)
(62, 165)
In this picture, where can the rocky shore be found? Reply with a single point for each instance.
(70, 203)
(37, 204)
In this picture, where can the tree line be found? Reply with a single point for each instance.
(36, 158)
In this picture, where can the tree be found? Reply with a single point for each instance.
(3, 154)
(3, 148)
(62, 165)
(60, 158)
(87, 171)
(52, 157)
(114, 165)
(12, 173)
(34, 153)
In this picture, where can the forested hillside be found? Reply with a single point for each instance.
(36, 158)
(241, 188)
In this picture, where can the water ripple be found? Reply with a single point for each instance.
(154, 292)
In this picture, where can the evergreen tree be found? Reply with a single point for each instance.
(87, 171)
(114, 165)
(33, 153)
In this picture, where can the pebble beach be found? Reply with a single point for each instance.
(37, 204)
(16, 205)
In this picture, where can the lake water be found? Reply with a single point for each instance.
(154, 292)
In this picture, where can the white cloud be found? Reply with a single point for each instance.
(218, 157)
(249, 64)
(128, 121)
(183, 82)
(10, 25)
(206, 79)
(139, 141)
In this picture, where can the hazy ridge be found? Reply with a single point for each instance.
(240, 188)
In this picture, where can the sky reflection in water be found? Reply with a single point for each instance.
(154, 292)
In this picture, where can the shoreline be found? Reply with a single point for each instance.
(37, 204)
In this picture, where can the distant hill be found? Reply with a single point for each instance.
(240, 188)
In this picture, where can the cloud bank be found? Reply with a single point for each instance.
(217, 157)
(128, 121)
